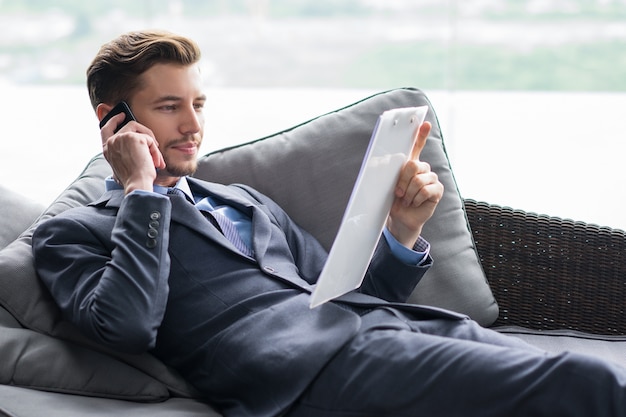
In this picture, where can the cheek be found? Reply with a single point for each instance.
(161, 132)
(151, 121)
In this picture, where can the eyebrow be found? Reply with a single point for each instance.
(177, 98)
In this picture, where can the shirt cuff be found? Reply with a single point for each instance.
(146, 192)
(415, 257)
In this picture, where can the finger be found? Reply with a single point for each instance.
(431, 192)
(109, 127)
(155, 153)
(422, 133)
(416, 184)
(409, 171)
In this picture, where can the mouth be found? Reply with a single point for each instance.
(189, 148)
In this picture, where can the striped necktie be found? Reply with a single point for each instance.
(221, 223)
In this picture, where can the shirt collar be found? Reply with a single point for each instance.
(182, 184)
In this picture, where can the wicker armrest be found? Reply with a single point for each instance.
(550, 273)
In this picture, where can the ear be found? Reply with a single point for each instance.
(102, 109)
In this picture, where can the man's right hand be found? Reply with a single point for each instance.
(133, 154)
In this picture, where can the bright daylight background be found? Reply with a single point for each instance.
(529, 93)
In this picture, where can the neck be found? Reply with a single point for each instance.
(165, 180)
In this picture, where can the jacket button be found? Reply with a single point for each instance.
(152, 233)
(151, 243)
(155, 215)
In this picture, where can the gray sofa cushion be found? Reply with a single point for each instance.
(34, 360)
(330, 149)
(16, 401)
(17, 213)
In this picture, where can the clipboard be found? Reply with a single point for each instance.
(369, 204)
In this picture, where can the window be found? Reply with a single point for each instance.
(527, 91)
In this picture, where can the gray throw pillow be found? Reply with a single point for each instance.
(17, 213)
(310, 170)
(34, 360)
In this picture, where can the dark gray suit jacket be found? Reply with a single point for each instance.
(148, 272)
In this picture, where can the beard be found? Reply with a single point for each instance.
(180, 169)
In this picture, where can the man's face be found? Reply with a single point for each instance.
(170, 102)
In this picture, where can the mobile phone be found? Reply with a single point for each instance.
(121, 107)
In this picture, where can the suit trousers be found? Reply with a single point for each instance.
(397, 366)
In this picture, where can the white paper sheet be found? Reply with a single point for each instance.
(365, 216)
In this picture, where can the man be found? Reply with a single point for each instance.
(153, 265)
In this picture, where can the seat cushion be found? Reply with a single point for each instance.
(610, 348)
(22, 402)
(34, 360)
(310, 170)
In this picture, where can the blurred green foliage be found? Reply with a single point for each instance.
(580, 65)
(599, 66)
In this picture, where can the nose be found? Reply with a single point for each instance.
(192, 121)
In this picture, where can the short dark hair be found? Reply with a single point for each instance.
(113, 75)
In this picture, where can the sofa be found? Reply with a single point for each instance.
(556, 283)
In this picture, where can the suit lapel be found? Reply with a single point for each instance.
(261, 232)
(187, 215)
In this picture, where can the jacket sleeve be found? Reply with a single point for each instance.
(108, 273)
(389, 278)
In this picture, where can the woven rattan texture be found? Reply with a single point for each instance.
(549, 273)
